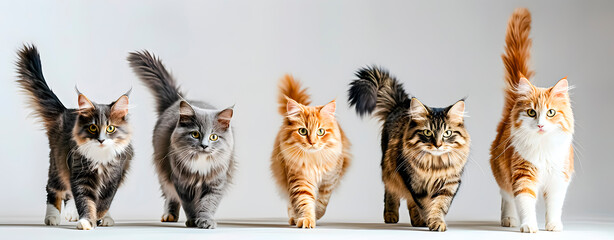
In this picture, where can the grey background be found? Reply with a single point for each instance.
(234, 52)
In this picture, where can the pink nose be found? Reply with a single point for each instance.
(540, 126)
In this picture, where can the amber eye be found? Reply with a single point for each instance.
(111, 129)
(447, 133)
(213, 137)
(321, 132)
(531, 113)
(92, 128)
(427, 133)
(551, 113)
(195, 134)
(302, 131)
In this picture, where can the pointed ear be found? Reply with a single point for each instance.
(186, 112)
(84, 103)
(120, 107)
(292, 107)
(561, 88)
(457, 111)
(329, 108)
(417, 110)
(223, 117)
(524, 86)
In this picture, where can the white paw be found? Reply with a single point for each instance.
(52, 220)
(107, 221)
(206, 223)
(84, 224)
(70, 211)
(529, 228)
(554, 226)
(509, 222)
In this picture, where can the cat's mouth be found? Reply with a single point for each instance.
(438, 152)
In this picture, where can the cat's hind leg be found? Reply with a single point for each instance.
(172, 203)
(508, 210)
(56, 191)
(391, 207)
(70, 209)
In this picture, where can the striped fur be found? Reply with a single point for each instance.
(307, 167)
(86, 166)
(424, 149)
(532, 153)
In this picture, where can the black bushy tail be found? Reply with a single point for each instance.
(377, 90)
(152, 72)
(46, 104)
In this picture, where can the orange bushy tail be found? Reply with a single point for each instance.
(289, 87)
(517, 52)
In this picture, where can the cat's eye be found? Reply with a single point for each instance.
(321, 132)
(531, 113)
(92, 128)
(447, 133)
(111, 129)
(427, 133)
(195, 134)
(302, 131)
(551, 113)
(213, 137)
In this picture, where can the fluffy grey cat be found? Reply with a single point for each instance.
(193, 146)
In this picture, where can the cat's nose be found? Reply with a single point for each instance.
(540, 126)
(204, 146)
(101, 140)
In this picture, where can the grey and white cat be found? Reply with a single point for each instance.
(90, 148)
(193, 146)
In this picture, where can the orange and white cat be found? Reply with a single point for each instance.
(532, 153)
(310, 154)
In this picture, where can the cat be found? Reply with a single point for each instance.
(90, 147)
(424, 149)
(310, 154)
(532, 152)
(193, 146)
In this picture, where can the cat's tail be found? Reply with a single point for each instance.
(155, 76)
(291, 88)
(375, 90)
(45, 103)
(517, 49)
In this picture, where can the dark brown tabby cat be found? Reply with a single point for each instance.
(90, 148)
(424, 149)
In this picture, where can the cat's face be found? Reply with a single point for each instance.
(311, 129)
(542, 111)
(102, 131)
(437, 131)
(202, 132)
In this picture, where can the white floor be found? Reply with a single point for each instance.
(278, 229)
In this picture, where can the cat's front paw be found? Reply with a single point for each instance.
(206, 223)
(291, 221)
(554, 226)
(437, 226)
(529, 228)
(84, 224)
(306, 222)
(509, 222)
(70, 211)
(106, 221)
(190, 223)
(167, 217)
(52, 220)
(391, 217)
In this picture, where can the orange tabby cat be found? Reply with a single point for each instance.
(310, 155)
(532, 153)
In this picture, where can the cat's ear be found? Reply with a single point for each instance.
(329, 108)
(417, 110)
(292, 107)
(457, 111)
(224, 116)
(120, 107)
(561, 88)
(186, 112)
(85, 104)
(524, 86)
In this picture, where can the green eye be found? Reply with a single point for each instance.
(111, 129)
(195, 134)
(427, 133)
(321, 132)
(531, 113)
(92, 128)
(213, 137)
(551, 113)
(447, 133)
(302, 131)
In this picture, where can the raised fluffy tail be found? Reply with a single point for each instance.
(291, 88)
(517, 48)
(377, 90)
(153, 74)
(46, 104)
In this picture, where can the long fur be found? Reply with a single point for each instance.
(289, 87)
